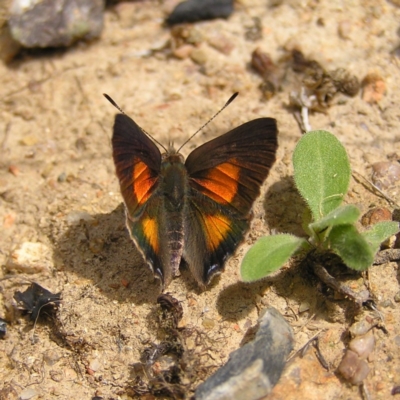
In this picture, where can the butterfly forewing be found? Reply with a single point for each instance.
(231, 168)
(137, 162)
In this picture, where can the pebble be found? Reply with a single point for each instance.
(345, 28)
(3, 328)
(385, 174)
(352, 368)
(9, 48)
(252, 371)
(30, 258)
(199, 10)
(50, 357)
(363, 345)
(360, 328)
(208, 323)
(221, 43)
(199, 56)
(183, 51)
(376, 215)
(374, 88)
(28, 393)
(55, 23)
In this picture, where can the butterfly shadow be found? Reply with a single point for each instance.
(98, 248)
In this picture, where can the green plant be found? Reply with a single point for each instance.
(322, 175)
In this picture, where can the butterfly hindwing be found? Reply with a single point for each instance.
(225, 176)
(214, 232)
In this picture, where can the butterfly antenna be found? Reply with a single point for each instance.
(122, 111)
(233, 97)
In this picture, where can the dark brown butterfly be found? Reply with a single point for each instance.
(195, 210)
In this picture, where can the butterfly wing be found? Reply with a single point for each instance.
(138, 161)
(225, 176)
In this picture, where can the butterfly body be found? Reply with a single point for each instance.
(196, 210)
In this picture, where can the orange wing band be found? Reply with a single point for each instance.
(142, 182)
(217, 227)
(149, 226)
(222, 182)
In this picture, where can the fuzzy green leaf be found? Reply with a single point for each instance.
(342, 215)
(321, 171)
(380, 232)
(267, 255)
(351, 247)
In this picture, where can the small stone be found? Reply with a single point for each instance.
(62, 177)
(13, 169)
(221, 43)
(304, 306)
(374, 88)
(183, 51)
(9, 48)
(345, 28)
(252, 370)
(53, 23)
(397, 297)
(29, 140)
(3, 329)
(95, 364)
(208, 323)
(385, 174)
(51, 357)
(360, 328)
(353, 368)
(376, 215)
(30, 258)
(199, 10)
(28, 393)
(387, 303)
(363, 345)
(199, 56)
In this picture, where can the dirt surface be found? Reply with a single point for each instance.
(58, 189)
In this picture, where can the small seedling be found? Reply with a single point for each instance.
(322, 175)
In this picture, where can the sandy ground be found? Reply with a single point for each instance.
(58, 189)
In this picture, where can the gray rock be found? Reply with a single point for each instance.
(199, 10)
(54, 23)
(252, 371)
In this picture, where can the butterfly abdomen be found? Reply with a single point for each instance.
(173, 187)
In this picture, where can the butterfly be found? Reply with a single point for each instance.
(195, 210)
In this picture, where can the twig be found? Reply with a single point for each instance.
(319, 354)
(371, 187)
(305, 346)
(333, 283)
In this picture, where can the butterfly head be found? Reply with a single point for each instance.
(172, 155)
